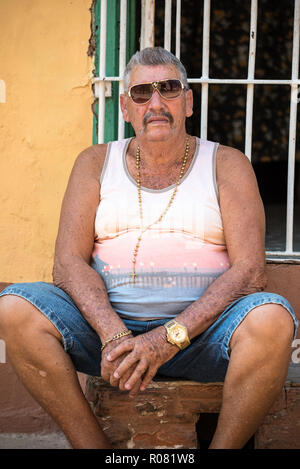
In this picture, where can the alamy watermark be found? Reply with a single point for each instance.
(296, 352)
(2, 91)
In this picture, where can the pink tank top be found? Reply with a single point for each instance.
(179, 257)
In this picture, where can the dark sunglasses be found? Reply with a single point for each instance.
(168, 89)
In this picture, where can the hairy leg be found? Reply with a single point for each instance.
(259, 359)
(35, 349)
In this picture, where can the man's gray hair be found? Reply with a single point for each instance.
(154, 56)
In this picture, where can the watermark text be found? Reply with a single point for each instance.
(296, 352)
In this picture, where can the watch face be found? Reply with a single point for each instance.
(178, 334)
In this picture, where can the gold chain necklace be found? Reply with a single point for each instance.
(159, 219)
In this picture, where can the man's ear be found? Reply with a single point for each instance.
(189, 103)
(124, 109)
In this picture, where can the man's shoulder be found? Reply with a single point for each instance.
(231, 157)
(89, 162)
(98, 151)
(91, 158)
(93, 152)
(232, 162)
(226, 153)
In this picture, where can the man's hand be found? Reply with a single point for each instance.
(137, 359)
(109, 367)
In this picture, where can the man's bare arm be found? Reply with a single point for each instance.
(74, 245)
(244, 227)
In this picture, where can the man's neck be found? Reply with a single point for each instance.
(162, 154)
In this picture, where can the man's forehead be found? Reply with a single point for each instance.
(147, 73)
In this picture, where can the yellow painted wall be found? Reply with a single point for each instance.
(44, 123)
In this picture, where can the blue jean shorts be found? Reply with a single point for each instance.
(205, 360)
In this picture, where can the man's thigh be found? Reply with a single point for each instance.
(79, 340)
(205, 360)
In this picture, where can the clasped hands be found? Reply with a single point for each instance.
(132, 362)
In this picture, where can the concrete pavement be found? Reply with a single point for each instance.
(33, 441)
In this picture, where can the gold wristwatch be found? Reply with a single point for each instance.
(177, 334)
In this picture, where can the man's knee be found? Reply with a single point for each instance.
(269, 324)
(18, 314)
(8, 313)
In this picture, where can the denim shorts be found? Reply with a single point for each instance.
(205, 360)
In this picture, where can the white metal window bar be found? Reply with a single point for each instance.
(147, 23)
(147, 39)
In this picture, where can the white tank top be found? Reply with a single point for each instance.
(179, 257)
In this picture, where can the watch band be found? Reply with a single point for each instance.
(170, 324)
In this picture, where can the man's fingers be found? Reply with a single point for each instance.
(136, 375)
(116, 352)
(124, 366)
(121, 382)
(135, 390)
(151, 372)
(114, 382)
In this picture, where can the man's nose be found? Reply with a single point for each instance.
(156, 100)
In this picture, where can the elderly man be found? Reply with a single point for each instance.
(159, 270)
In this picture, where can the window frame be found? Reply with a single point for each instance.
(120, 40)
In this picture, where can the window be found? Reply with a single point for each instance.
(243, 67)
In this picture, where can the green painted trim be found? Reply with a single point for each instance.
(112, 63)
(131, 48)
(112, 69)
